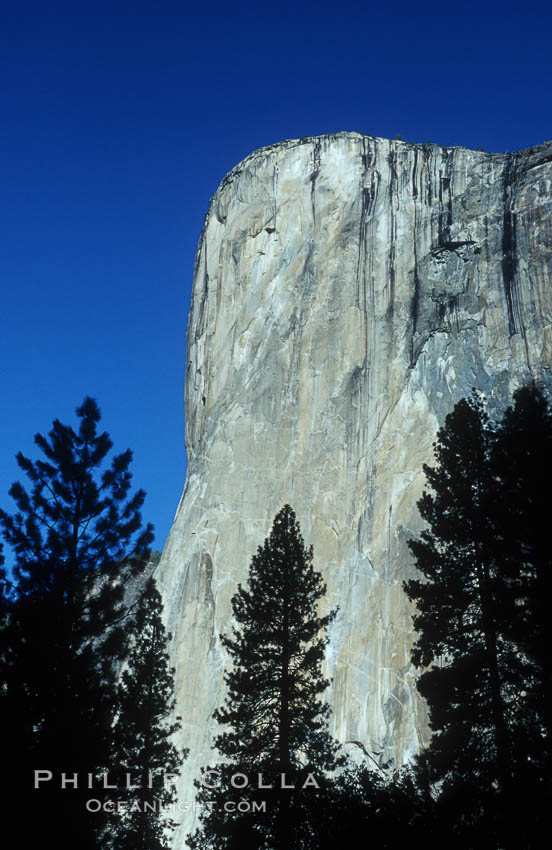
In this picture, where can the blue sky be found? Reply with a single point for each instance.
(119, 119)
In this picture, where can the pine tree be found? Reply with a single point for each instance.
(277, 725)
(480, 619)
(10, 708)
(378, 809)
(142, 734)
(5, 616)
(75, 536)
(457, 615)
(522, 463)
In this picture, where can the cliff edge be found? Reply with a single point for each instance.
(347, 292)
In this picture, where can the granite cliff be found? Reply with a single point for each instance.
(347, 292)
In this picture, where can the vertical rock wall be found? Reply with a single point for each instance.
(347, 292)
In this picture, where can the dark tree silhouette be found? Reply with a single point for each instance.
(378, 809)
(480, 620)
(6, 597)
(276, 723)
(75, 536)
(522, 464)
(10, 707)
(142, 734)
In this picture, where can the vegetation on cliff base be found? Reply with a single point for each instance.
(276, 723)
(143, 731)
(484, 650)
(483, 623)
(77, 538)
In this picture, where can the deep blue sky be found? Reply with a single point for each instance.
(118, 121)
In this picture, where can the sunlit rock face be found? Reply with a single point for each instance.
(347, 292)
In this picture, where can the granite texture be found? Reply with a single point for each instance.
(347, 292)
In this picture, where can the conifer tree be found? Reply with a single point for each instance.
(480, 621)
(75, 534)
(522, 464)
(142, 746)
(10, 708)
(276, 723)
(457, 614)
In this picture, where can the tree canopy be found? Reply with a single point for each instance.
(481, 622)
(142, 735)
(76, 536)
(276, 723)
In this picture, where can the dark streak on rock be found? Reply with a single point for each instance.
(449, 180)
(308, 271)
(509, 255)
(393, 182)
(274, 194)
(414, 304)
(426, 153)
(218, 214)
(509, 244)
(453, 310)
(206, 573)
(369, 195)
(202, 252)
(445, 189)
(365, 203)
(314, 175)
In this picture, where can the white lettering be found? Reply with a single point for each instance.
(65, 781)
(129, 784)
(260, 782)
(210, 773)
(310, 781)
(46, 778)
(241, 784)
(105, 782)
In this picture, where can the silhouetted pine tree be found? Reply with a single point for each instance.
(481, 621)
(6, 595)
(71, 535)
(277, 724)
(458, 619)
(522, 464)
(142, 734)
(10, 707)
(376, 809)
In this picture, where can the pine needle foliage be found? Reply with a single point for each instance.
(484, 635)
(276, 722)
(143, 746)
(76, 536)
